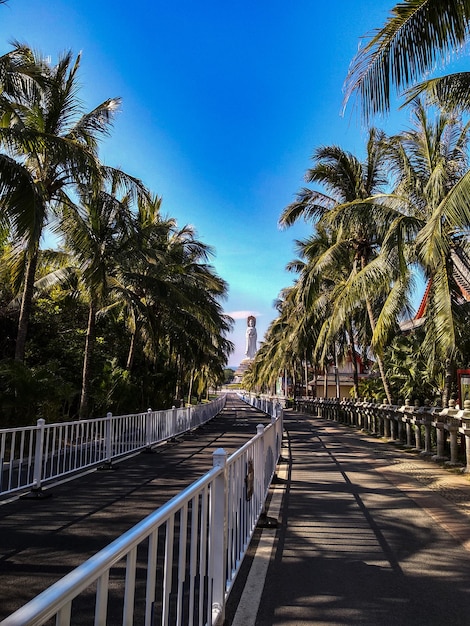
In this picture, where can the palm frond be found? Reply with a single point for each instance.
(450, 92)
(309, 205)
(416, 36)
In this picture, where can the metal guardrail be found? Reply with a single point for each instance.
(34, 455)
(179, 564)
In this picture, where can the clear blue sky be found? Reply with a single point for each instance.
(223, 105)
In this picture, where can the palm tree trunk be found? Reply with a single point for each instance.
(306, 376)
(178, 377)
(87, 358)
(190, 386)
(355, 372)
(447, 383)
(26, 305)
(380, 362)
(131, 353)
(354, 360)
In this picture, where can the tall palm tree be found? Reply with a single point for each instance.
(417, 36)
(430, 164)
(93, 237)
(169, 295)
(322, 278)
(346, 209)
(143, 248)
(49, 145)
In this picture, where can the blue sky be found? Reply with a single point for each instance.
(223, 105)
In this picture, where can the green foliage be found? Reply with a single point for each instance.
(228, 375)
(27, 394)
(127, 314)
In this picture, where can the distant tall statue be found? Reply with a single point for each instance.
(251, 337)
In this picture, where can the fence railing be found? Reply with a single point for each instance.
(179, 564)
(34, 455)
(442, 433)
(269, 405)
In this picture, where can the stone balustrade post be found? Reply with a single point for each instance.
(357, 413)
(352, 415)
(453, 427)
(452, 424)
(427, 435)
(465, 418)
(394, 417)
(400, 415)
(365, 415)
(386, 418)
(440, 425)
(371, 412)
(416, 420)
(406, 416)
(373, 418)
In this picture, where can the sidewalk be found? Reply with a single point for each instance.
(368, 534)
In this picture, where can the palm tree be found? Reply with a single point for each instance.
(93, 237)
(430, 165)
(143, 249)
(418, 35)
(169, 296)
(49, 146)
(357, 225)
(323, 275)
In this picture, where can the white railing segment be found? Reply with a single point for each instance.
(179, 564)
(33, 455)
(264, 403)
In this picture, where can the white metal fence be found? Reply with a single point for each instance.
(267, 404)
(33, 455)
(178, 565)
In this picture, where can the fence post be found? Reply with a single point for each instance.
(218, 547)
(260, 471)
(148, 431)
(174, 421)
(108, 444)
(38, 457)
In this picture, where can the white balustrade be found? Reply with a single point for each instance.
(34, 455)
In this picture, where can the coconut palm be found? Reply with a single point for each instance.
(49, 145)
(325, 270)
(168, 295)
(418, 35)
(93, 236)
(430, 166)
(358, 226)
(143, 249)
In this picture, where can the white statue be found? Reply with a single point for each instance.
(251, 337)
